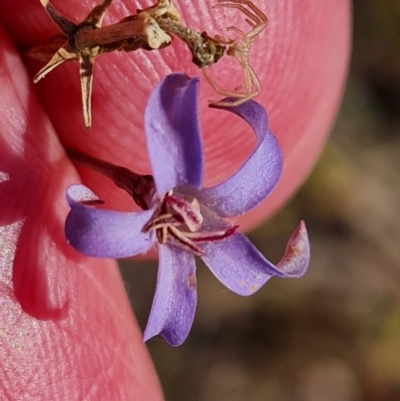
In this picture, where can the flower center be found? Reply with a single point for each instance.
(178, 220)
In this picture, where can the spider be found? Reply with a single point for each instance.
(241, 51)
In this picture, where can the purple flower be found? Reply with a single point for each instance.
(185, 219)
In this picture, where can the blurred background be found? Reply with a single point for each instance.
(334, 335)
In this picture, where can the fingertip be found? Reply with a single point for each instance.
(65, 319)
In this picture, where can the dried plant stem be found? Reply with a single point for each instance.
(150, 29)
(205, 50)
(109, 34)
(140, 187)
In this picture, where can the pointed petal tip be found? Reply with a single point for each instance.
(299, 237)
(170, 338)
(297, 256)
(180, 78)
(248, 106)
(147, 336)
(174, 335)
(178, 81)
(80, 194)
(224, 103)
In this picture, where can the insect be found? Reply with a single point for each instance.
(148, 29)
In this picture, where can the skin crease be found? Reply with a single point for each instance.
(67, 329)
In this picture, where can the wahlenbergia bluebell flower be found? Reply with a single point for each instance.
(185, 219)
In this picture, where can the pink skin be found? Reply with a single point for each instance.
(75, 336)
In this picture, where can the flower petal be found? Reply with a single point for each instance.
(174, 304)
(173, 133)
(257, 177)
(104, 233)
(238, 264)
(297, 255)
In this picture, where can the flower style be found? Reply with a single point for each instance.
(185, 219)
